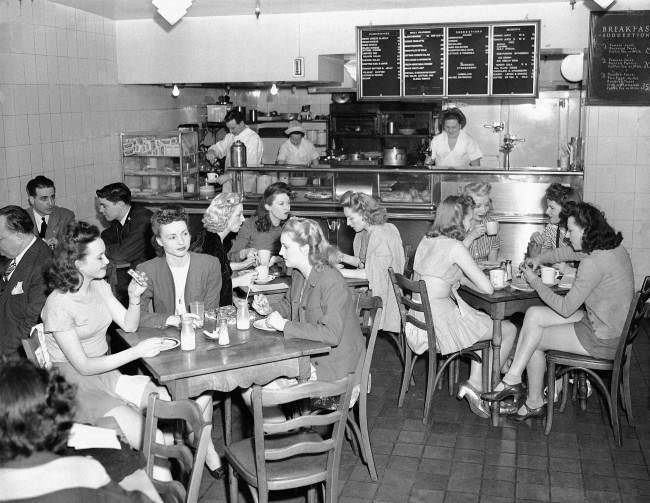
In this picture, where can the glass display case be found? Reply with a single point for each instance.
(160, 164)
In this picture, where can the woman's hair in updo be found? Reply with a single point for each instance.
(305, 231)
(221, 209)
(449, 217)
(63, 273)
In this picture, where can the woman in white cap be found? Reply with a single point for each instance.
(297, 149)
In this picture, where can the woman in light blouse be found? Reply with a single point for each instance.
(453, 147)
(481, 245)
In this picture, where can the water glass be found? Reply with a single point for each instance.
(198, 307)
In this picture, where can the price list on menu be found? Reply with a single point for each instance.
(513, 60)
(619, 58)
(467, 60)
(380, 63)
(424, 52)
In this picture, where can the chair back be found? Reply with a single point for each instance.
(36, 349)
(189, 412)
(413, 296)
(369, 310)
(295, 436)
(632, 326)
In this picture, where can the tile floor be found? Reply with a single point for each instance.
(462, 458)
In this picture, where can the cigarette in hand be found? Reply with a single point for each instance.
(136, 277)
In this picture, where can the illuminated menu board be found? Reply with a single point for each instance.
(619, 58)
(436, 60)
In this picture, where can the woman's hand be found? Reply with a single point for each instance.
(221, 179)
(261, 304)
(248, 253)
(528, 272)
(536, 237)
(137, 286)
(476, 232)
(148, 347)
(275, 320)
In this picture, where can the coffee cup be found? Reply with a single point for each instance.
(492, 227)
(262, 272)
(212, 177)
(548, 275)
(498, 278)
(264, 257)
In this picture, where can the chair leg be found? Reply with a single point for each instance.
(452, 376)
(409, 362)
(582, 389)
(565, 391)
(627, 397)
(613, 407)
(352, 436)
(574, 392)
(233, 486)
(550, 386)
(365, 439)
(312, 497)
(431, 376)
(485, 368)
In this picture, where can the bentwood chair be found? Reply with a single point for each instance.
(291, 453)
(190, 461)
(619, 367)
(369, 310)
(407, 293)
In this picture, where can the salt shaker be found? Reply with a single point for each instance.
(224, 337)
(508, 270)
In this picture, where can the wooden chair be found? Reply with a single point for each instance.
(35, 347)
(290, 454)
(404, 291)
(191, 465)
(369, 310)
(619, 367)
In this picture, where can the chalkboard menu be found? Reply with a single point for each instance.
(436, 60)
(619, 58)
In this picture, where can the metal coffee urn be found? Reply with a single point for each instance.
(238, 155)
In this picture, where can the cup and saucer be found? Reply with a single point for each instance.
(263, 280)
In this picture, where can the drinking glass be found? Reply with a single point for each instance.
(198, 307)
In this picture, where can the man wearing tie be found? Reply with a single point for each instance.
(50, 221)
(23, 288)
(128, 235)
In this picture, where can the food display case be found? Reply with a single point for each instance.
(160, 164)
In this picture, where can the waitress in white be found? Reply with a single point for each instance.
(453, 147)
(297, 149)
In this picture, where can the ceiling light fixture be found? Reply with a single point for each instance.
(176, 91)
(274, 89)
(172, 10)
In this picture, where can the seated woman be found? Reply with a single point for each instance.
(37, 410)
(443, 262)
(223, 218)
(604, 284)
(554, 235)
(179, 276)
(262, 230)
(382, 249)
(481, 245)
(319, 304)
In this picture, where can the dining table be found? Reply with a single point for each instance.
(252, 356)
(499, 305)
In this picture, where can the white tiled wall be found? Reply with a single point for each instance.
(61, 107)
(617, 177)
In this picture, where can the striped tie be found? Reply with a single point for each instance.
(9, 270)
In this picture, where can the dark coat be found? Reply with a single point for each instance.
(23, 297)
(57, 224)
(210, 243)
(324, 312)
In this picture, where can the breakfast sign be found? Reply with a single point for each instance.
(435, 60)
(619, 58)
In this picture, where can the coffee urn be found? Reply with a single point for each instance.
(238, 155)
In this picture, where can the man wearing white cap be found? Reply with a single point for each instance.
(297, 149)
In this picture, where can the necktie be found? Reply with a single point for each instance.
(9, 270)
(41, 234)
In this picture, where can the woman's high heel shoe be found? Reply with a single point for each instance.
(513, 390)
(471, 394)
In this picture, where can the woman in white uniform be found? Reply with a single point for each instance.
(453, 147)
(297, 149)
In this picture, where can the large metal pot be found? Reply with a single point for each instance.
(394, 156)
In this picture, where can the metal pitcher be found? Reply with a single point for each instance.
(238, 155)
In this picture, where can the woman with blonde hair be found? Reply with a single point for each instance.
(481, 245)
(443, 262)
(377, 246)
(318, 306)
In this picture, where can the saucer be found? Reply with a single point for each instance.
(264, 281)
(168, 343)
(261, 324)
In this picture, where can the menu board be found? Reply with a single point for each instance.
(436, 60)
(381, 72)
(619, 58)
(513, 60)
(424, 52)
(467, 67)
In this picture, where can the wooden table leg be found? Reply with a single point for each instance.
(304, 369)
(496, 366)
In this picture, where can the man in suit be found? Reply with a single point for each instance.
(23, 288)
(50, 221)
(128, 236)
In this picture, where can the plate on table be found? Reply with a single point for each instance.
(261, 324)
(264, 281)
(168, 343)
(522, 285)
